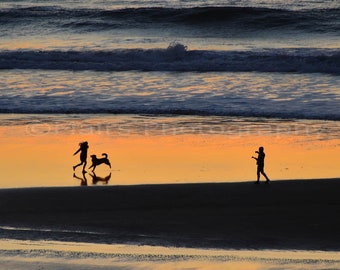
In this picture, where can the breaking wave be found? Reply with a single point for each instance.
(177, 58)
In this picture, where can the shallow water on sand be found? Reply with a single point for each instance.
(16, 254)
(38, 149)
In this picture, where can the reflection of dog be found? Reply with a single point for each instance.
(97, 179)
(97, 161)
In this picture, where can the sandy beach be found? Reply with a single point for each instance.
(294, 214)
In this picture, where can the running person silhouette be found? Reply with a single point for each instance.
(83, 146)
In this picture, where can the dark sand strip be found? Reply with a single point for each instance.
(302, 214)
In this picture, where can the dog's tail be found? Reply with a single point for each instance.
(105, 155)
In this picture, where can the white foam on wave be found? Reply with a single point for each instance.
(46, 230)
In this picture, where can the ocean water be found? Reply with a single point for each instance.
(276, 59)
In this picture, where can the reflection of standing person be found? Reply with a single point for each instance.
(260, 164)
(83, 146)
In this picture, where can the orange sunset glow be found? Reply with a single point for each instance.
(47, 159)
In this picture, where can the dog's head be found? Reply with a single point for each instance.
(93, 156)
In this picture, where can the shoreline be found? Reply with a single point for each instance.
(287, 214)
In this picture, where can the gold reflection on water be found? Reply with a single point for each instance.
(46, 159)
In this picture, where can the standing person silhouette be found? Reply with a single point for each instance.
(83, 146)
(260, 164)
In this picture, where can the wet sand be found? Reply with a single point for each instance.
(294, 214)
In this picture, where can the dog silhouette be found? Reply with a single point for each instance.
(97, 161)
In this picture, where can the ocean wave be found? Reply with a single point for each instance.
(246, 18)
(178, 58)
(44, 105)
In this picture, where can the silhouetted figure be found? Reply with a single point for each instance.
(97, 161)
(83, 146)
(260, 164)
(83, 180)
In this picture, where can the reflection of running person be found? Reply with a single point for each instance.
(260, 165)
(83, 180)
(83, 146)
